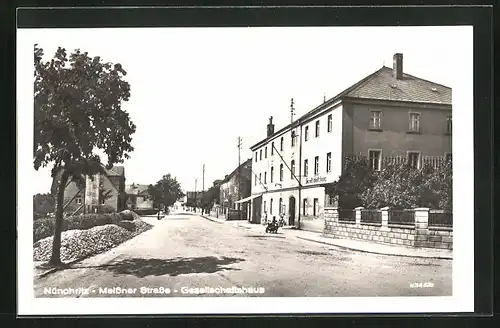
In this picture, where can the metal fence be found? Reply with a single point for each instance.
(434, 161)
(348, 216)
(371, 216)
(440, 218)
(404, 217)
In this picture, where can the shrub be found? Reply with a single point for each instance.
(106, 209)
(142, 212)
(43, 228)
(397, 185)
(129, 225)
(128, 215)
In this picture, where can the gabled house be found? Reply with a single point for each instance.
(102, 192)
(387, 115)
(233, 188)
(138, 197)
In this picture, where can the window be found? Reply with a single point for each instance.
(448, 125)
(306, 167)
(102, 201)
(272, 174)
(260, 177)
(375, 159)
(271, 206)
(281, 172)
(260, 155)
(316, 165)
(79, 200)
(272, 148)
(281, 144)
(304, 206)
(265, 177)
(264, 208)
(414, 159)
(328, 162)
(265, 152)
(255, 178)
(317, 129)
(292, 169)
(375, 119)
(280, 209)
(316, 206)
(414, 122)
(256, 156)
(293, 138)
(306, 133)
(330, 123)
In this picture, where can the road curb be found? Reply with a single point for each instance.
(211, 219)
(372, 252)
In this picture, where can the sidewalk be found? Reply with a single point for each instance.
(356, 245)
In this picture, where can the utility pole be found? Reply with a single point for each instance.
(203, 185)
(292, 111)
(239, 176)
(195, 196)
(203, 190)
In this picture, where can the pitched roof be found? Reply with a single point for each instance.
(382, 85)
(115, 171)
(136, 189)
(227, 178)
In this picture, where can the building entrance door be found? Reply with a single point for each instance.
(256, 209)
(291, 211)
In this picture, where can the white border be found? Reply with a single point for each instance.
(463, 268)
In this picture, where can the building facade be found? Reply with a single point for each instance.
(138, 197)
(386, 114)
(102, 192)
(234, 187)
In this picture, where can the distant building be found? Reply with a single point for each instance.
(387, 114)
(103, 192)
(138, 197)
(230, 193)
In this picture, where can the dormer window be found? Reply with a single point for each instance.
(434, 89)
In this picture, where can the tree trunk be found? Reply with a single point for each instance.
(55, 259)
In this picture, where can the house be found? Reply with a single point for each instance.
(138, 197)
(387, 114)
(233, 188)
(102, 192)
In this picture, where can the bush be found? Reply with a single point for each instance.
(129, 225)
(106, 209)
(128, 215)
(396, 185)
(142, 212)
(43, 228)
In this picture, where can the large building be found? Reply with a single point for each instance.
(138, 197)
(236, 186)
(387, 114)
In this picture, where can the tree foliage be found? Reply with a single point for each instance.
(397, 185)
(43, 204)
(211, 196)
(166, 191)
(77, 115)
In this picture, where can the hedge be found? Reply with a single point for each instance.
(145, 211)
(43, 228)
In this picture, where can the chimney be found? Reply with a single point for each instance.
(397, 68)
(270, 127)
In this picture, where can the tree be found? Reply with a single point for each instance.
(166, 191)
(78, 115)
(211, 196)
(356, 178)
(43, 204)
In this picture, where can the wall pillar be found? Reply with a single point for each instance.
(421, 226)
(385, 218)
(358, 214)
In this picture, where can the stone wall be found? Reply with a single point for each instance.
(418, 234)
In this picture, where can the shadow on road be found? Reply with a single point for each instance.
(141, 268)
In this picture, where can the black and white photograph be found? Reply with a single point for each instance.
(192, 170)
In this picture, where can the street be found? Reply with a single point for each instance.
(183, 252)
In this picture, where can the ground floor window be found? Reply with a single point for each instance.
(316, 207)
(271, 206)
(304, 206)
(78, 200)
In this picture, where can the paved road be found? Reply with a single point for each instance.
(188, 251)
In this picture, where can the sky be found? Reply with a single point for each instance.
(194, 91)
